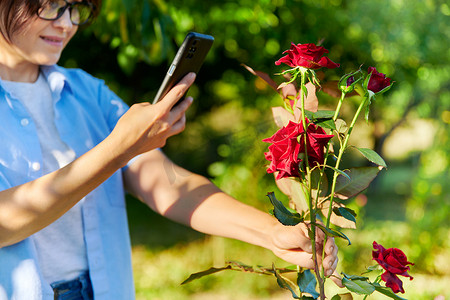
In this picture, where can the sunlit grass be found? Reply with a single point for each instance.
(158, 275)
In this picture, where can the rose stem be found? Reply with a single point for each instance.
(341, 152)
(312, 209)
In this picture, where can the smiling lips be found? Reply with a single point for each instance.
(53, 40)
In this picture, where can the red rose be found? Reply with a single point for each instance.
(308, 56)
(394, 262)
(286, 148)
(378, 81)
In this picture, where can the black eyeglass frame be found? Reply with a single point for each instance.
(69, 5)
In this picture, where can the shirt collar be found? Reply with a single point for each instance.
(57, 79)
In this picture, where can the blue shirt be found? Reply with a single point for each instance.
(86, 111)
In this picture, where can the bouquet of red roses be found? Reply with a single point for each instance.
(305, 157)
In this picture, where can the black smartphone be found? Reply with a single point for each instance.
(189, 58)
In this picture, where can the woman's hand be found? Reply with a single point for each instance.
(292, 244)
(145, 127)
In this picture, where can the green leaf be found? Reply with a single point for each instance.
(366, 82)
(305, 93)
(372, 156)
(361, 287)
(328, 123)
(372, 268)
(322, 118)
(360, 178)
(335, 219)
(346, 213)
(323, 114)
(339, 171)
(309, 114)
(370, 96)
(354, 277)
(284, 284)
(385, 89)
(201, 274)
(294, 74)
(333, 232)
(307, 283)
(283, 215)
(386, 291)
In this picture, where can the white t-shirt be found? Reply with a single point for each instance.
(60, 246)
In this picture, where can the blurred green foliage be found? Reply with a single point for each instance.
(133, 41)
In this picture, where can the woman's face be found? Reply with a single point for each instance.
(41, 42)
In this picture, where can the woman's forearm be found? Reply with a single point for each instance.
(212, 211)
(27, 208)
(193, 200)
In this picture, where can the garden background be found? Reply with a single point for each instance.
(408, 206)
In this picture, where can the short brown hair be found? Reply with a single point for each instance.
(15, 13)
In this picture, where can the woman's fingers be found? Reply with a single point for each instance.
(330, 247)
(297, 257)
(331, 259)
(179, 110)
(330, 264)
(336, 278)
(179, 125)
(177, 92)
(293, 245)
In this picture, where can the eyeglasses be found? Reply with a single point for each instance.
(80, 12)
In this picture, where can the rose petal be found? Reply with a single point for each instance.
(308, 56)
(392, 282)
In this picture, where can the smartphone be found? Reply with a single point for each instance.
(189, 58)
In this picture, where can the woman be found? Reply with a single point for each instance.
(70, 148)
